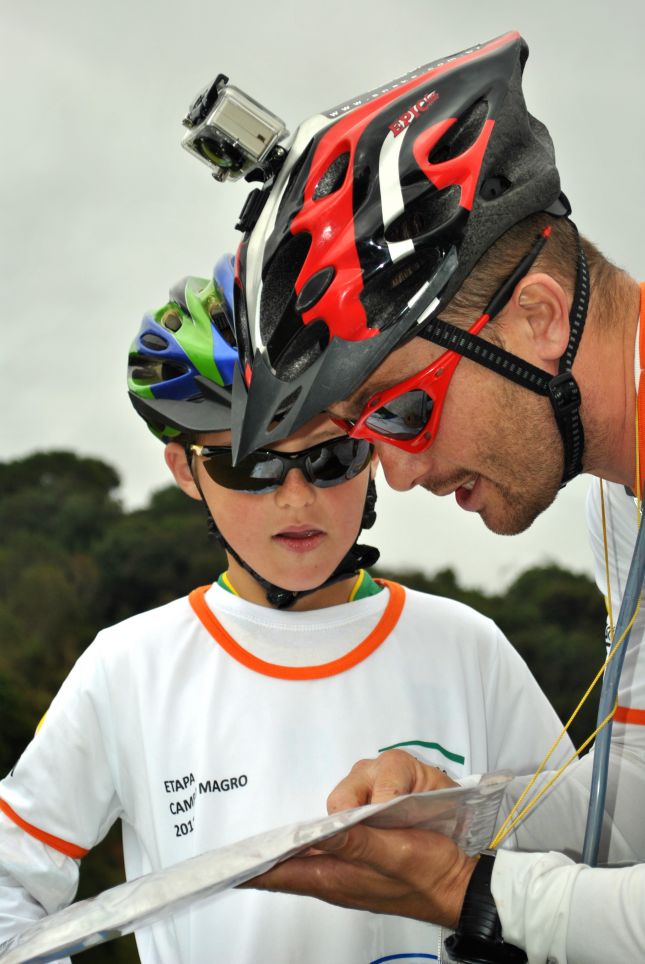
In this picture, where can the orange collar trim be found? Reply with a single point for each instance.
(381, 631)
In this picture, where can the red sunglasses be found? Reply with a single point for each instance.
(408, 414)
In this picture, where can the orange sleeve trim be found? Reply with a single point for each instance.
(381, 631)
(627, 714)
(69, 849)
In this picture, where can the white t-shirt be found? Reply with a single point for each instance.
(561, 911)
(199, 724)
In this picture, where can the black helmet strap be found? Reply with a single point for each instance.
(562, 389)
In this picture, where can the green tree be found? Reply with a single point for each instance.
(153, 555)
(59, 495)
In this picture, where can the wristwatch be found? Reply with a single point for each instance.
(478, 938)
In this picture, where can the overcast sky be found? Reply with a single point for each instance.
(102, 210)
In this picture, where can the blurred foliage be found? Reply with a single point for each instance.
(72, 560)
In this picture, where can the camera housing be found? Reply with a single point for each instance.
(231, 133)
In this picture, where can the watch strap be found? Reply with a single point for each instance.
(478, 938)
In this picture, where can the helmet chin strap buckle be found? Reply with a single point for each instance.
(564, 394)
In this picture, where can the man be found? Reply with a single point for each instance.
(412, 269)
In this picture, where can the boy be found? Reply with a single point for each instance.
(226, 713)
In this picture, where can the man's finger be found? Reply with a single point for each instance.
(398, 773)
(354, 790)
(392, 774)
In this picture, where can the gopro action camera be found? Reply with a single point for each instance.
(233, 134)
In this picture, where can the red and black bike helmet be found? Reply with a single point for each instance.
(379, 212)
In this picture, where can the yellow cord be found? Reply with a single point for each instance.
(357, 585)
(509, 827)
(514, 818)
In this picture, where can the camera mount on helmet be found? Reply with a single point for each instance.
(232, 134)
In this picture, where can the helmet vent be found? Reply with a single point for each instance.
(461, 135)
(286, 405)
(171, 320)
(154, 342)
(429, 211)
(221, 322)
(387, 298)
(303, 350)
(333, 177)
(494, 187)
(152, 371)
(279, 319)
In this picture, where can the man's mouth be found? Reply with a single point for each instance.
(450, 487)
(466, 491)
(468, 495)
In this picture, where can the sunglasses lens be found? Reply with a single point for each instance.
(256, 473)
(338, 462)
(404, 417)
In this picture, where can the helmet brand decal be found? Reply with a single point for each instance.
(413, 112)
(418, 72)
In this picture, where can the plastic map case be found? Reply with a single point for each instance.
(466, 813)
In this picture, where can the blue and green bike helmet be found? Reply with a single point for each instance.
(181, 364)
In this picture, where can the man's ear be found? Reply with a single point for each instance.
(535, 322)
(374, 464)
(177, 462)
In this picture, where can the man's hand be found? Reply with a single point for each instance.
(410, 873)
(389, 775)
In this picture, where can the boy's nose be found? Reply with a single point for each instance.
(295, 490)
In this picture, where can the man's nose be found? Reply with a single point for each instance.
(401, 468)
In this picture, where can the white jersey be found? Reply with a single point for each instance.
(203, 722)
(558, 910)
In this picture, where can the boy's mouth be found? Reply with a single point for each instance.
(300, 538)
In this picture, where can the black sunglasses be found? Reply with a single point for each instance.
(329, 463)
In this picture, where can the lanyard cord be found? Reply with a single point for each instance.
(608, 698)
(514, 818)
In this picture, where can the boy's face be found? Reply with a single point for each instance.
(294, 536)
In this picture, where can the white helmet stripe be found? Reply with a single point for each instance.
(391, 194)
